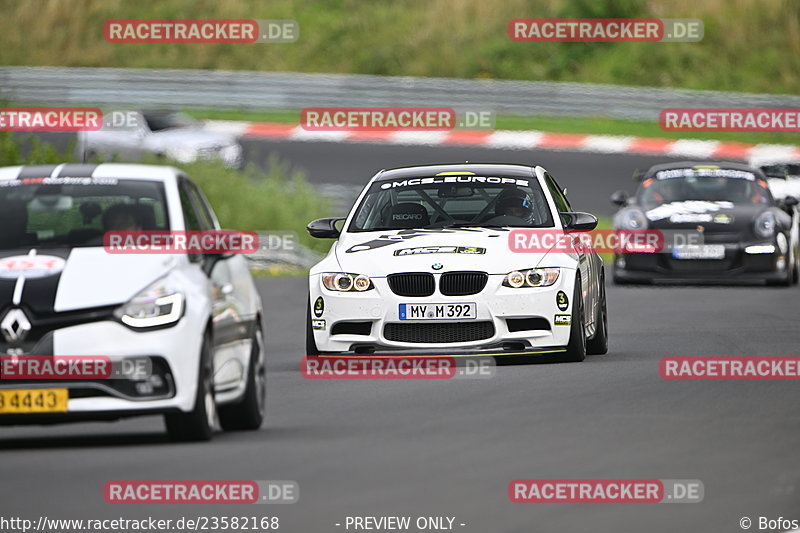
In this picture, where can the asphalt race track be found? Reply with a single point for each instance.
(450, 448)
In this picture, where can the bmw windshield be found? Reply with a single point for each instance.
(71, 212)
(705, 185)
(452, 201)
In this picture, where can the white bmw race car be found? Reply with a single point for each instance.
(423, 265)
(182, 331)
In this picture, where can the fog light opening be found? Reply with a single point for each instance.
(364, 349)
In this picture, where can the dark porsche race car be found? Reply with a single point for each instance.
(745, 234)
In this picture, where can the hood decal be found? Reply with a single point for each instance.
(425, 250)
(403, 235)
(41, 273)
(693, 207)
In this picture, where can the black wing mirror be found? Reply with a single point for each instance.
(579, 221)
(324, 228)
(790, 201)
(619, 198)
(638, 175)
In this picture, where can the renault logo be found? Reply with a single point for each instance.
(15, 326)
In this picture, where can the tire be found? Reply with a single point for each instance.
(786, 282)
(598, 345)
(198, 424)
(576, 349)
(311, 345)
(248, 413)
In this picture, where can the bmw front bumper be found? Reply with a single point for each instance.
(508, 320)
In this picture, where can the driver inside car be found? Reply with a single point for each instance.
(514, 203)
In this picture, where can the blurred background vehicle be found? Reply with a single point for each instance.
(163, 133)
(742, 231)
(783, 175)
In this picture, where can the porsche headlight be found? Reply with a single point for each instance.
(765, 224)
(345, 282)
(534, 277)
(156, 305)
(634, 219)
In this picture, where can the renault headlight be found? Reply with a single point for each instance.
(156, 305)
(345, 282)
(533, 277)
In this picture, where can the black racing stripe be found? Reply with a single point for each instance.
(39, 294)
(36, 171)
(79, 170)
(7, 285)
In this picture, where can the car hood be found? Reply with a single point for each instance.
(191, 138)
(380, 253)
(713, 216)
(78, 278)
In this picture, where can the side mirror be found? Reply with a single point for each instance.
(324, 228)
(790, 201)
(619, 198)
(579, 221)
(638, 175)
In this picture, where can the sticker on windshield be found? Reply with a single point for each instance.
(30, 266)
(59, 181)
(454, 179)
(705, 172)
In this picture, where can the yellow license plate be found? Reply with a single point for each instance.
(21, 401)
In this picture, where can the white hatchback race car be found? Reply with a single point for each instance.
(423, 265)
(187, 326)
(783, 174)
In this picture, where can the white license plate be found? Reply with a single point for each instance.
(459, 311)
(699, 251)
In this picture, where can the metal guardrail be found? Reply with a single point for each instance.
(113, 87)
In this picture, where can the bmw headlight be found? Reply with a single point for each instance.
(156, 305)
(345, 282)
(765, 224)
(534, 277)
(634, 219)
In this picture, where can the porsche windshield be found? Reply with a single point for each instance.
(70, 212)
(710, 185)
(447, 201)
